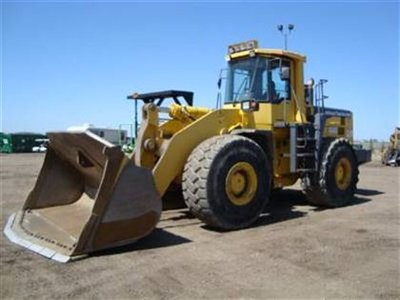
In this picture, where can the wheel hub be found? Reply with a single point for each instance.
(343, 173)
(241, 183)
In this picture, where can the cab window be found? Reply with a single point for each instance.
(279, 87)
(259, 79)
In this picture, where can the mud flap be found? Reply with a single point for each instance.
(88, 196)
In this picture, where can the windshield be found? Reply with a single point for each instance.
(256, 78)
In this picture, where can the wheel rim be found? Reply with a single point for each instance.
(241, 183)
(343, 173)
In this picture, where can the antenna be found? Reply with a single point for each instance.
(285, 33)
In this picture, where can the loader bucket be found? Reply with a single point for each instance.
(88, 196)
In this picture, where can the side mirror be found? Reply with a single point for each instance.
(285, 73)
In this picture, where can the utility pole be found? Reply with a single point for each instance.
(285, 33)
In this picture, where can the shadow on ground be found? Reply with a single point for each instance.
(286, 204)
(366, 192)
(157, 239)
(183, 214)
(283, 206)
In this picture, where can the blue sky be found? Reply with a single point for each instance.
(71, 63)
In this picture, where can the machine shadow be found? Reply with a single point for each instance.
(356, 201)
(183, 214)
(286, 204)
(368, 192)
(157, 239)
(283, 206)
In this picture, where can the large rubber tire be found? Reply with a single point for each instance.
(327, 190)
(206, 173)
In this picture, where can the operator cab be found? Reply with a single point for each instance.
(258, 78)
(266, 81)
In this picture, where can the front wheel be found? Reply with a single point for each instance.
(226, 181)
(336, 182)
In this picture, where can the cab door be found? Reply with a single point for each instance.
(280, 91)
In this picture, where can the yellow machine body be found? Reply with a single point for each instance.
(91, 196)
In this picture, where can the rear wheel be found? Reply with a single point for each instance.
(336, 182)
(226, 181)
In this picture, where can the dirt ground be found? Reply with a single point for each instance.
(293, 251)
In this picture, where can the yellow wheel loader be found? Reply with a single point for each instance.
(271, 131)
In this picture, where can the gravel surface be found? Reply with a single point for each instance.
(293, 251)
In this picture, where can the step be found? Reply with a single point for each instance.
(305, 154)
(305, 170)
(299, 154)
(305, 146)
(300, 139)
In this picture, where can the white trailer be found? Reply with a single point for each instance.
(114, 136)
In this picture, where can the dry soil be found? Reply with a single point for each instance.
(294, 251)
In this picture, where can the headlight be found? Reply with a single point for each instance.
(249, 45)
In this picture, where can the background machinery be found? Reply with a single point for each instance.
(391, 155)
(270, 132)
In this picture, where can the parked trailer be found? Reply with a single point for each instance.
(114, 136)
(21, 142)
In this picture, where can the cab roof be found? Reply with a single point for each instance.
(267, 52)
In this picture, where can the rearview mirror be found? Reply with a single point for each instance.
(285, 73)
